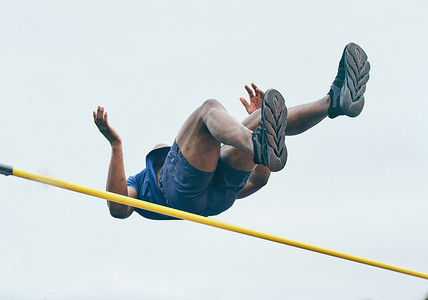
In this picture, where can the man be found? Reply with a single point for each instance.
(200, 176)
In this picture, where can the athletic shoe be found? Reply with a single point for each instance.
(347, 91)
(269, 136)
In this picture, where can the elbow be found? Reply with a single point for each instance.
(261, 183)
(119, 215)
(262, 179)
(119, 211)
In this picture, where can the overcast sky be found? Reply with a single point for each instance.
(352, 185)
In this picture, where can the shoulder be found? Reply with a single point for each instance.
(156, 158)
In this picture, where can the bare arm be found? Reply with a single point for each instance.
(116, 179)
(260, 175)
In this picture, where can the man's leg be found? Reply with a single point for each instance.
(306, 116)
(209, 126)
(190, 166)
(235, 158)
(347, 91)
(346, 97)
(300, 118)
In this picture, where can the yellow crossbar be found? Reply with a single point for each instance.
(7, 170)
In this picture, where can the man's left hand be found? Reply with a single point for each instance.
(256, 99)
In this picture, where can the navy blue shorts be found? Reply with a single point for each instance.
(203, 193)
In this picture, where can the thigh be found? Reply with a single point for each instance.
(196, 143)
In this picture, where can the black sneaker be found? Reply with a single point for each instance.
(269, 137)
(347, 91)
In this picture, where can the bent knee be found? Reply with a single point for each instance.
(208, 107)
(211, 104)
(263, 181)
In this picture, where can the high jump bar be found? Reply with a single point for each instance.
(9, 170)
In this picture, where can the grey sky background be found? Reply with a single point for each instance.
(352, 185)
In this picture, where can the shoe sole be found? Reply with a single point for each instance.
(274, 120)
(356, 76)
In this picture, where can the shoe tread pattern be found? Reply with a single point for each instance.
(274, 120)
(356, 76)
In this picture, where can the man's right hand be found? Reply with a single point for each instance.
(100, 119)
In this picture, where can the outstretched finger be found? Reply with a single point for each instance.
(100, 111)
(255, 89)
(95, 114)
(259, 92)
(250, 91)
(245, 103)
(99, 116)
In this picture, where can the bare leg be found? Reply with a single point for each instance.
(209, 126)
(237, 159)
(305, 116)
(300, 118)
